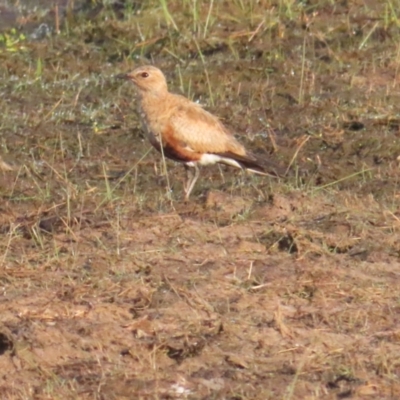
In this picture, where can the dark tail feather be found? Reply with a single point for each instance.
(257, 164)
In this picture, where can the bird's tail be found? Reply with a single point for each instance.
(258, 165)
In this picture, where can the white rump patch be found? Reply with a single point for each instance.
(207, 159)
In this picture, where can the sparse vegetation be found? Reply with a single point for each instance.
(113, 288)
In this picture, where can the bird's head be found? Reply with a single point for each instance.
(147, 79)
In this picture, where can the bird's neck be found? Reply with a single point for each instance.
(152, 99)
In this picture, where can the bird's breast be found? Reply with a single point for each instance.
(150, 126)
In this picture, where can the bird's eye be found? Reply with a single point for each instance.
(144, 74)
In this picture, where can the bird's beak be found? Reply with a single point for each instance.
(122, 76)
(126, 77)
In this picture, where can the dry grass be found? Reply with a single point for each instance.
(113, 288)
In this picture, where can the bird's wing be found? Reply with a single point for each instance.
(192, 127)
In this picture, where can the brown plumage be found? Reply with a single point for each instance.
(184, 131)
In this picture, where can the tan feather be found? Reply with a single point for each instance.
(185, 131)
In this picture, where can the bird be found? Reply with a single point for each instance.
(184, 131)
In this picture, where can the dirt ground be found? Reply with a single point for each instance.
(113, 288)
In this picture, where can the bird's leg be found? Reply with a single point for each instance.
(191, 179)
(189, 176)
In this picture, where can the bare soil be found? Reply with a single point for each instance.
(113, 288)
